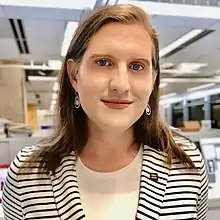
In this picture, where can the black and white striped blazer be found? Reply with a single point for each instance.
(179, 193)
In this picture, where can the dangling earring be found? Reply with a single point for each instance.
(148, 110)
(76, 101)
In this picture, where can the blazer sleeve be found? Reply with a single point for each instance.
(12, 208)
(202, 206)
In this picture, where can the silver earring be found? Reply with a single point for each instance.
(76, 101)
(148, 110)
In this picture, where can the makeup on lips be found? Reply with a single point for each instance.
(116, 103)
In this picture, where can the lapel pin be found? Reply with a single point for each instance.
(154, 177)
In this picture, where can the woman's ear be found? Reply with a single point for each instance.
(72, 70)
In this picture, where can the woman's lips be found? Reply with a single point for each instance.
(116, 103)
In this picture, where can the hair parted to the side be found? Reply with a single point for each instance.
(71, 131)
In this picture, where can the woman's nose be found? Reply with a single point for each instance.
(120, 80)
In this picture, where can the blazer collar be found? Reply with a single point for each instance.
(66, 191)
(153, 181)
(154, 176)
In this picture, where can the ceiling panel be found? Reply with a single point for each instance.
(178, 87)
(194, 51)
(5, 29)
(39, 86)
(2, 15)
(8, 49)
(177, 21)
(168, 34)
(58, 14)
(213, 60)
(210, 57)
(40, 58)
(216, 25)
(44, 37)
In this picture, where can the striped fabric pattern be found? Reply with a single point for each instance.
(178, 193)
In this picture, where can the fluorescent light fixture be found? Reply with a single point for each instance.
(68, 35)
(189, 96)
(54, 96)
(187, 67)
(52, 107)
(178, 72)
(180, 41)
(56, 64)
(53, 102)
(111, 2)
(28, 67)
(168, 95)
(205, 86)
(171, 100)
(200, 94)
(162, 85)
(42, 78)
(56, 86)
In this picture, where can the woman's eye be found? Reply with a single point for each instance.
(137, 67)
(103, 62)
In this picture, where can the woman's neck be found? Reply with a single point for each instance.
(109, 151)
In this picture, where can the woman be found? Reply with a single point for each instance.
(110, 156)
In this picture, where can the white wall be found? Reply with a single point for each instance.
(44, 118)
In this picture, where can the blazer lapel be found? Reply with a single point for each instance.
(153, 184)
(66, 192)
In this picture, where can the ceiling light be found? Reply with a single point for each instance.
(68, 35)
(178, 72)
(28, 67)
(168, 95)
(187, 67)
(54, 96)
(200, 87)
(52, 107)
(53, 102)
(56, 86)
(111, 2)
(42, 78)
(162, 85)
(171, 100)
(56, 64)
(180, 41)
(199, 94)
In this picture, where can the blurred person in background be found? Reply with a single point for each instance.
(6, 130)
(110, 157)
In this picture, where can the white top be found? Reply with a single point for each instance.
(112, 195)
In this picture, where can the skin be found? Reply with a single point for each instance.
(114, 67)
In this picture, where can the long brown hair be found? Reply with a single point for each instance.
(71, 130)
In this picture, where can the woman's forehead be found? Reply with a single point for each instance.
(119, 39)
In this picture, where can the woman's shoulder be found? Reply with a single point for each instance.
(29, 160)
(24, 154)
(20, 159)
(186, 144)
(190, 149)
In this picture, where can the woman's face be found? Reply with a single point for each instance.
(115, 77)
